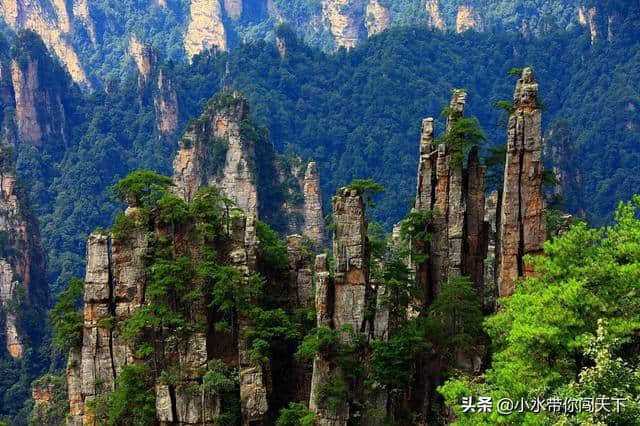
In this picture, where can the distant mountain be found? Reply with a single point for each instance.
(97, 40)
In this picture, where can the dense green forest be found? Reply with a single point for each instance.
(357, 113)
(103, 48)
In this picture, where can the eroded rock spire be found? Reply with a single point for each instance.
(523, 224)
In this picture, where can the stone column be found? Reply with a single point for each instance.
(313, 217)
(523, 222)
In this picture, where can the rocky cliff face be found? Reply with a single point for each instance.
(40, 114)
(22, 263)
(166, 105)
(206, 29)
(215, 151)
(345, 18)
(143, 56)
(313, 217)
(116, 282)
(377, 18)
(522, 222)
(345, 299)
(456, 196)
(225, 149)
(472, 235)
(52, 25)
(467, 19)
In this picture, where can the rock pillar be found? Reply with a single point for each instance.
(523, 222)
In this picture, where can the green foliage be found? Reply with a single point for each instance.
(54, 412)
(219, 378)
(463, 134)
(515, 72)
(332, 394)
(66, 317)
(414, 228)
(296, 414)
(392, 360)
(141, 188)
(273, 251)
(505, 105)
(458, 315)
(356, 113)
(216, 154)
(131, 403)
(367, 188)
(580, 306)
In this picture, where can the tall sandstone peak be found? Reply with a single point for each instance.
(40, 110)
(51, 24)
(456, 196)
(206, 29)
(115, 285)
(165, 103)
(214, 151)
(467, 19)
(143, 56)
(435, 19)
(471, 235)
(22, 261)
(346, 298)
(224, 148)
(345, 19)
(523, 222)
(313, 217)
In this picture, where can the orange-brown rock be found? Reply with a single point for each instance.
(52, 26)
(346, 299)
(313, 226)
(435, 15)
(40, 113)
(523, 222)
(455, 196)
(143, 56)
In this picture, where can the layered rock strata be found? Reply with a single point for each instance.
(253, 376)
(313, 218)
(455, 195)
(345, 298)
(522, 222)
(115, 284)
(166, 105)
(206, 28)
(40, 113)
(22, 262)
(52, 24)
(114, 290)
(214, 151)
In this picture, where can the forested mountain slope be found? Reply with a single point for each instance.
(96, 40)
(356, 113)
